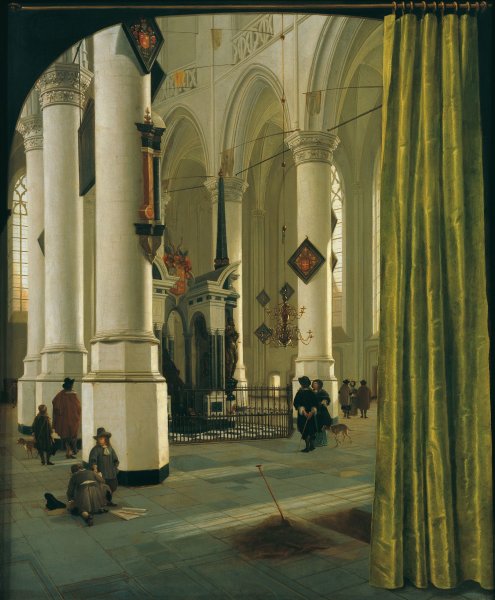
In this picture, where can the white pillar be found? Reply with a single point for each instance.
(258, 316)
(31, 128)
(124, 390)
(313, 155)
(234, 188)
(62, 87)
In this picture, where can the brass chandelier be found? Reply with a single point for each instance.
(285, 331)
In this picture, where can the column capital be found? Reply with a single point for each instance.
(258, 213)
(312, 146)
(63, 84)
(234, 188)
(31, 129)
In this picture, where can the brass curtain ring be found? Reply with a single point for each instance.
(483, 5)
(423, 7)
(394, 7)
(403, 7)
(456, 6)
(468, 7)
(411, 6)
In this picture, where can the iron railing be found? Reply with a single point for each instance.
(207, 416)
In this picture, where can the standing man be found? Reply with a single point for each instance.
(67, 417)
(103, 459)
(344, 398)
(306, 404)
(363, 398)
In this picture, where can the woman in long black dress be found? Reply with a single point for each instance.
(306, 404)
(323, 416)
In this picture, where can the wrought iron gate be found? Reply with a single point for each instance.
(207, 416)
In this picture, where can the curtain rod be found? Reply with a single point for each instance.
(263, 6)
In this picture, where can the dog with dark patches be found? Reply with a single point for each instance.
(340, 430)
(28, 447)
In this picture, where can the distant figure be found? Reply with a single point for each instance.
(344, 398)
(323, 416)
(103, 459)
(67, 417)
(42, 434)
(306, 404)
(85, 493)
(363, 398)
(353, 397)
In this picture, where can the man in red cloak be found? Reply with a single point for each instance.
(67, 417)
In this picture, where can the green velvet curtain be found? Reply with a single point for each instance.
(432, 513)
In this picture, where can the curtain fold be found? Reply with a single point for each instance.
(433, 507)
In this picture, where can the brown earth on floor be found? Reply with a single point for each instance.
(354, 522)
(277, 538)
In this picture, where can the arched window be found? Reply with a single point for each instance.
(336, 199)
(18, 249)
(376, 244)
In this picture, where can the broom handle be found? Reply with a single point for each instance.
(260, 468)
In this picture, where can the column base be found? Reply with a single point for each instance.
(320, 368)
(139, 478)
(27, 407)
(241, 398)
(135, 413)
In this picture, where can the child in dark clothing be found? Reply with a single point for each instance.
(42, 433)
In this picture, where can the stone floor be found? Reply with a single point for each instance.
(184, 547)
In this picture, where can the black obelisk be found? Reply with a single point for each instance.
(222, 256)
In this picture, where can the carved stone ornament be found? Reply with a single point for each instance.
(63, 84)
(312, 146)
(234, 188)
(31, 129)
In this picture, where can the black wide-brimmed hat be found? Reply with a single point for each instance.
(100, 432)
(68, 383)
(52, 503)
(304, 381)
(363, 382)
(346, 381)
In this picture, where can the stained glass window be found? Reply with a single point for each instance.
(337, 199)
(18, 249)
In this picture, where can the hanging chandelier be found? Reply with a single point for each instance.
(285, 331)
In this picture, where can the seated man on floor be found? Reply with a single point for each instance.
(87, 493)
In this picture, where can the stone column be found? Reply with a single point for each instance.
(258, 316)
(313, 155)
(234, 190)
(62, 87)
(124, 390)
(31, 128)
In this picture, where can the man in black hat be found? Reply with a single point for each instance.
(306, 404)
(67, 417)
(345, 398)
(103, 459)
